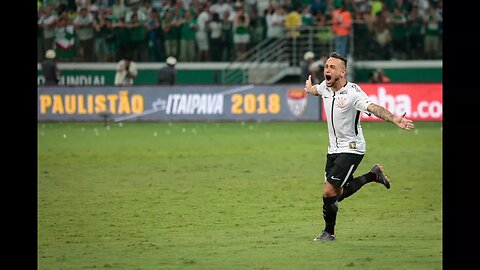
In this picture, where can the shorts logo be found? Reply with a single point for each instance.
(297, 101)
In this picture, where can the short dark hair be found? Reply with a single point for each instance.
(338, 56)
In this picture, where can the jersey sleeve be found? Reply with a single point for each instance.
(360, 99)
(320, 88)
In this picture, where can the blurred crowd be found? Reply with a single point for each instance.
(223, 30)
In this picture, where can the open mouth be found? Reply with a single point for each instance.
(328, 77)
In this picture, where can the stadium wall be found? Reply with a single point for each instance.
(103, 74)
(425, 71)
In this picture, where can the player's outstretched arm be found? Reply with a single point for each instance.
(309, 87)
(386, 115)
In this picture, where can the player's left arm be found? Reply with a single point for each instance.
(381, 112)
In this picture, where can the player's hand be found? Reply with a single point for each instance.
(403, 122)
(308, 86)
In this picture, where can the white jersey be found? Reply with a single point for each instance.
(343, 109)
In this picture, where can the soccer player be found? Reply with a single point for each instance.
(343, 102)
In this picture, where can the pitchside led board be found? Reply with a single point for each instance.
(422, 102)
(177, 103)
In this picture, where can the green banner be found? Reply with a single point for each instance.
(145, 77)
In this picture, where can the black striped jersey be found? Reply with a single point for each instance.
(343, 109)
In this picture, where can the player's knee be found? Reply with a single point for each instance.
(329, 190)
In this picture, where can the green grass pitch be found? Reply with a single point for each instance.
(231, 196)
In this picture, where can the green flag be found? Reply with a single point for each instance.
(65, 42)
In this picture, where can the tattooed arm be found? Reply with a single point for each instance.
(386, 115)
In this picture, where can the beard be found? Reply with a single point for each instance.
(331, 82)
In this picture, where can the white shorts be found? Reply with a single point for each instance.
(241, 38)
(202, 40)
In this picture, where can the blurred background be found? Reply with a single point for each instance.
(240, 42)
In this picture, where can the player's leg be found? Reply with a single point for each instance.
(338, 170)
(330, 206)
(376, 174)
(330, 209)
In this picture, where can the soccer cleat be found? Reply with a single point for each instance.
(325, 236)
(381, 178)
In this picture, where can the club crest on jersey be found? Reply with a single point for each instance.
(341, 101)
(297, 101)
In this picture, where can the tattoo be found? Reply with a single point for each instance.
(380, 112)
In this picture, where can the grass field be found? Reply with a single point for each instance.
(231, 196)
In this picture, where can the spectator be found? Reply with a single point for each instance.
(135, 21)
(50, 69)
(307, 17)
(153, 33)
(379, 76)
(169, 26)
(227, 34)
(201, 35)
(293, 21)
(215, 29)
(362, 36)
(308, 58)
(85, 31)
(432, 33)
(187, 37)
(167, 74)
(241, 32)
(415, 35)
(100, 32)
(341, 25)
(318, 6)
(399, 34)
(325, 34)
(40, 48)
(47, 22)
(119, 10)
(275, 19)
(122, 38)
(110, 38)
(126, 71)
(382, 38)
(65, 39)
(220, 7)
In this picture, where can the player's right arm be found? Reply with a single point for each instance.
(309, 88)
